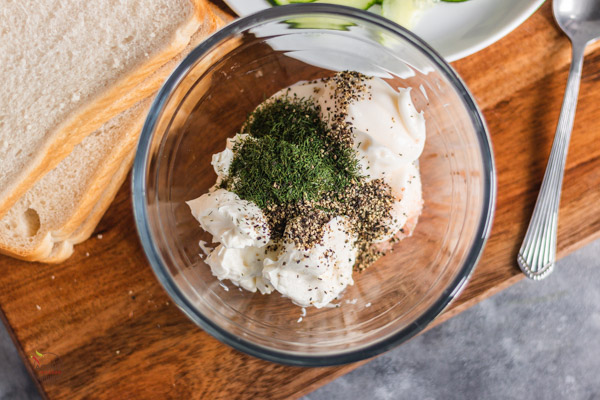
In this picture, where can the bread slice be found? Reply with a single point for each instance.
(64, 249)
(149, 86)
(58, 245)
(59, 202)
(68, 67)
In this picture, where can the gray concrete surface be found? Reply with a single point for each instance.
(15, 382)
(533, 340)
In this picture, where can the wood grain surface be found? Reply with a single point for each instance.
(117, 334)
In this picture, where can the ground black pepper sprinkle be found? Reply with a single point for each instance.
(367, 206)
(350, 86)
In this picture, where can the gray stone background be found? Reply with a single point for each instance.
(535, 340)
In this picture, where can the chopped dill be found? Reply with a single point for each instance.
(289, 156)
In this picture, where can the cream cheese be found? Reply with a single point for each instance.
(243, 267)
(222, 160)
(388, 130)
(316, 276)
(234, 222)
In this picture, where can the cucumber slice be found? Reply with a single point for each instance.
(375, 9)
(325, 22)
(402, 12)
(318, 23)
(362, 4)
(286, 2)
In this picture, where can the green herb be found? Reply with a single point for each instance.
(290, 119)
(288, 156)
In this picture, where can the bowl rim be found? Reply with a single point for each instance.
(140, 211)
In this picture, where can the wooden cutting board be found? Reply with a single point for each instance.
(116, 334)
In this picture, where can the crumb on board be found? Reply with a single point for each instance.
(299, 319)
(367, 305)
(52, 277)
(99, 236)
(38, 307)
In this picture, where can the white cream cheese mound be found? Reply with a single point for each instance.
(243, 267)
(390, 148)
(222, 160)
(389, 136)
(232, 221)
(316, 276)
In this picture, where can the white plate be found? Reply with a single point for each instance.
(455, 30)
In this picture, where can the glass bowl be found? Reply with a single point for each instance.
(206, 100)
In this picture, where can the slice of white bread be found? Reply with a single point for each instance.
(68, 67)
(149, 86)
(59, 245)
(64, 249)
(60, 202)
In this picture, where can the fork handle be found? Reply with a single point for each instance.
(537, 255)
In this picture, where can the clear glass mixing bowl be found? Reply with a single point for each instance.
(206, 100)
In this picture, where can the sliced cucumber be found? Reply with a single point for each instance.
(286, 2)
(319, 23)
(325, 22)
(362, 4)
(402, 12)
(375, 8)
